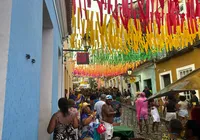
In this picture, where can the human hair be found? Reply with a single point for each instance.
(114, 97)
(193, 92)
(182, 98)
(93, 97)
(103, 96)
(71, 103)
(175, 126)
(63, 105)
(170, 97)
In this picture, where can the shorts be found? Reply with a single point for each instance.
(170, 116)
(117, 120)
(109, 131)
(183, 113)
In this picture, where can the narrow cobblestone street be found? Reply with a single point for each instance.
(129, 119)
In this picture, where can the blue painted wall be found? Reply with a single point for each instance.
(22, 101)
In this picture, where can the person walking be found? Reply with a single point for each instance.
(155, 115)
(182, 108)
(98, 106)
(142, 111)
(62, 123)
(170, 105)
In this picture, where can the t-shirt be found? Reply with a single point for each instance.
(171, 106)
(92, 105)
(183, 105)
(116, 106)
(98, 108)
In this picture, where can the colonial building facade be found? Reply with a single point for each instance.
(175, 66)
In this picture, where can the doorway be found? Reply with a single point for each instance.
(137, 85)
(148, 83)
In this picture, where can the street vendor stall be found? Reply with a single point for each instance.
(187, 83)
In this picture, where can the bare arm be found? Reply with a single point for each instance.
(52, 124)
(178, 106)
(89, 119)
(75, 122)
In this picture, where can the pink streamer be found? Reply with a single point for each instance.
(80, 8)
(74, 6)
(101, 12)
(85, 9)
(89, 3)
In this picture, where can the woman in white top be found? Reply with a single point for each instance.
(182, 108)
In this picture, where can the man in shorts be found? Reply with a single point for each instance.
(107, 117)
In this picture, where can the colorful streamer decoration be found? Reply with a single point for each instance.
(132, 32)
(103, 57)
(105, 70)
(138, 28)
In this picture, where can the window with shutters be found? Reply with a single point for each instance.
(183, 71)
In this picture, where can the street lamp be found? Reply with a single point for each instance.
(129, 71)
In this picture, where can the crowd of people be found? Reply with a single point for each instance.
(180, 115)
(87, 115)
(91, 115)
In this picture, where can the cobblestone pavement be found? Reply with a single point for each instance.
(129, 119)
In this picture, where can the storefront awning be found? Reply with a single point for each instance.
(189, 82)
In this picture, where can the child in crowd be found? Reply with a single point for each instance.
(155, 115)
(182, 107)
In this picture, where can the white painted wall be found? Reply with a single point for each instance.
(5, 15)
(46, 84)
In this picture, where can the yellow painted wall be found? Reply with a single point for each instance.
(172, 64)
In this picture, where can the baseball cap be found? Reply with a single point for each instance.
(108, 97)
